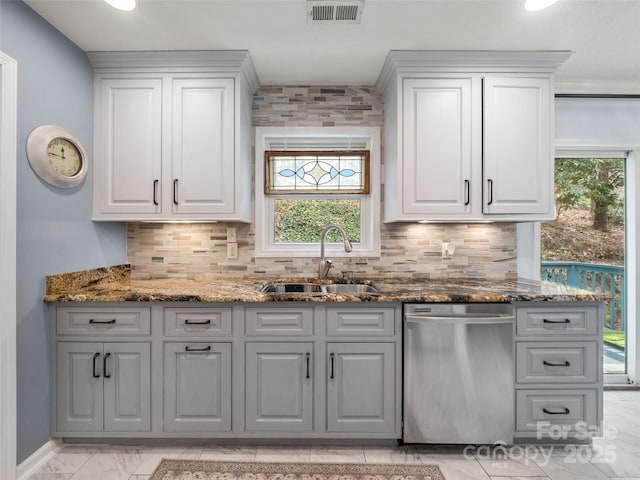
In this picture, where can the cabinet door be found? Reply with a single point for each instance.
(197, 387)
(361, 387)
(127, 387)
(518, 154)
(279, 387)
(437, 149)
(203, 173)
(128, 150)
(79, 387)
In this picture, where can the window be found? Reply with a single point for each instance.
(307, 178)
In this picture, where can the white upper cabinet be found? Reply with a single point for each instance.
(202, 141)
(437, 115)
(128, 146)
(172, 136)
(518, 153)
(468, 135)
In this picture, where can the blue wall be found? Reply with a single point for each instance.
(54, 228)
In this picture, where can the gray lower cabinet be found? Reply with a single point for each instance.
(263, 370)
(279, 387)
(558, 354)
(361, 387)
(197, 387)
(103, 387)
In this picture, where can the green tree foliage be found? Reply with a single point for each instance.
(302, 221)
(593, 183)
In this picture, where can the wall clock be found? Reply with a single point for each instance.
(57, 156)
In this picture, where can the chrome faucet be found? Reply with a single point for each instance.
(325, 264)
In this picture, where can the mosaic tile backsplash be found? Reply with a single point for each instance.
(188, 250)
(192, 250)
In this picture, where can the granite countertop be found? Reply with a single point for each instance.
(115, 284)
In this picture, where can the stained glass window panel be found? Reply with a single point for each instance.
(303, 172)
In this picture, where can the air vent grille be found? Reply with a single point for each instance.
(334, 11)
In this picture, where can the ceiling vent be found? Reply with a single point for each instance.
(327, 12)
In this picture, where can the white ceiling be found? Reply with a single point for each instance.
(604, 34)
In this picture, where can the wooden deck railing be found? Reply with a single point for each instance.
(599, 278)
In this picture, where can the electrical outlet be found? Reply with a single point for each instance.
(448, 249)
(232, 235)
(232, 251)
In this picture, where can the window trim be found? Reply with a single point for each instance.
(266, 138)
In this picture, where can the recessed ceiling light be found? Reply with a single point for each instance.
(533, 5)
(126, 5)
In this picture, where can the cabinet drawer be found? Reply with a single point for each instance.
(367, 322)
(539, 410)
(207, 322)
(103, 321)
(538, 362)
(557, 321)
(279, 321)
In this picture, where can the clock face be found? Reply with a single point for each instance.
(56, 156)
(64, 157)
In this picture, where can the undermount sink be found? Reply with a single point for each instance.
(351, 288)
(318, 289)
(305, 288)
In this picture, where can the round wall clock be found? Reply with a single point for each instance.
(57, 156)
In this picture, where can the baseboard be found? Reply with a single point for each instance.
(37, 459)
(622, 386)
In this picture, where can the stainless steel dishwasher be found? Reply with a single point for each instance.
(458, 373)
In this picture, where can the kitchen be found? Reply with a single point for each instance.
(63, 219)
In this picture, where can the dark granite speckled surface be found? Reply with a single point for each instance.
(114, 284)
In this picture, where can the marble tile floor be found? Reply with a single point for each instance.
(615, 455)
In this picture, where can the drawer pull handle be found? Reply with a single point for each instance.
(203, 349)
(566, 320)
(175, 191)
(104, 365)
(467, 196)
(308, 355)
(192, 322)
(332, 357)
(550, 412)
(564, 364)
(490, 183)
(95, 372)
(102, 322)
(155, 192)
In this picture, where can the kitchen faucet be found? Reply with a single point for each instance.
(325, 264)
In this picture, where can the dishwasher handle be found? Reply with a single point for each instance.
(459, 319)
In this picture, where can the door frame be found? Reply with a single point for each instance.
(8, 314)
(529, 249)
